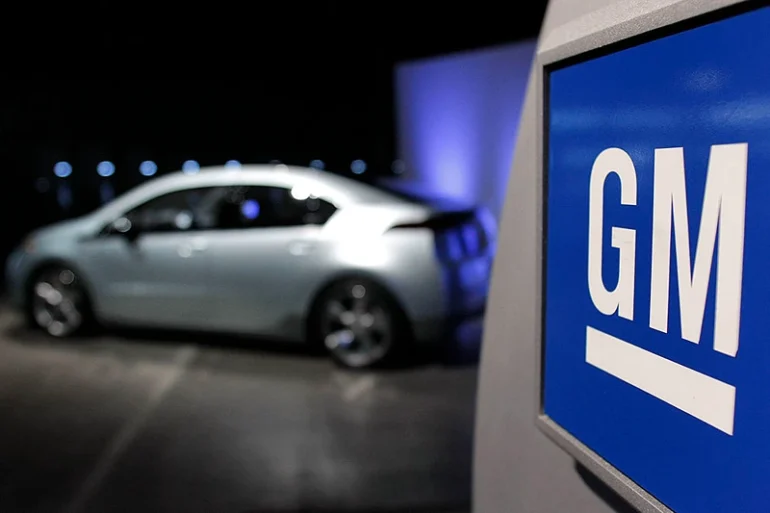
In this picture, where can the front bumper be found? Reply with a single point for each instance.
(455, 340)
(15, 277)
(450, 329)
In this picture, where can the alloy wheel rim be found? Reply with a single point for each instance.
(57, 302)
(356, 327)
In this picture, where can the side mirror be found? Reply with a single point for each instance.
(124, 227)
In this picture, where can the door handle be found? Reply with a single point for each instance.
(196, 245)
(199, 244)
(300, 248)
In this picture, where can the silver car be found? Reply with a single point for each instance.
(288, 253)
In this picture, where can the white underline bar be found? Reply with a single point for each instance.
(705, 398)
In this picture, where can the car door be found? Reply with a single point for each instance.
(264, 257)
(153, 270)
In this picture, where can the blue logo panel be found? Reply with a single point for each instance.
(657, 313)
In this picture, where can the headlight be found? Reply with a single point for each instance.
(28, 245)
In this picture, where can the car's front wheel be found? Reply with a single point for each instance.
(359, 323)
(57, 303)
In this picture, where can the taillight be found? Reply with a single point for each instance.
(457, 235)
(407, 226)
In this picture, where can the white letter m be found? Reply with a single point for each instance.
(724, 206)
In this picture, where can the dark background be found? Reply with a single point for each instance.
(291, 82)
(152, 421)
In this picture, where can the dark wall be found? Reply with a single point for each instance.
(290, 116)
(290, 81)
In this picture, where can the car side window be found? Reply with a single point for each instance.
(262, 206)
(188, 209)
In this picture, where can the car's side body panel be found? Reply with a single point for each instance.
(257, 280)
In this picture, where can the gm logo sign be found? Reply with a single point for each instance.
(720, 235)
(655, 353)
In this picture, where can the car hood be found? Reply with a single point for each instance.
(74, 228)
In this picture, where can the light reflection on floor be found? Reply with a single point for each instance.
(134, 423)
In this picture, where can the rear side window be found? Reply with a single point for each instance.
(175, 211)
(264, 207)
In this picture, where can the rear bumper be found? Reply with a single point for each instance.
(15, 273)
(464, 291)
(450, 329)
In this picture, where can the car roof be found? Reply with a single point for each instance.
(335, 188)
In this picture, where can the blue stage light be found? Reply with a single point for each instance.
(62, 169)
(358, 166)
(250, 209)
(148, 168)
(105, 168)
(190, 167)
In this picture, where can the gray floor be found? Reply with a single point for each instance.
(150, 423)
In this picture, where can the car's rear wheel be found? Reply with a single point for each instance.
(359, 323)
(57, 302)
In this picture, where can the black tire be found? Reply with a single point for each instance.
(359, 324)
(58, 303)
